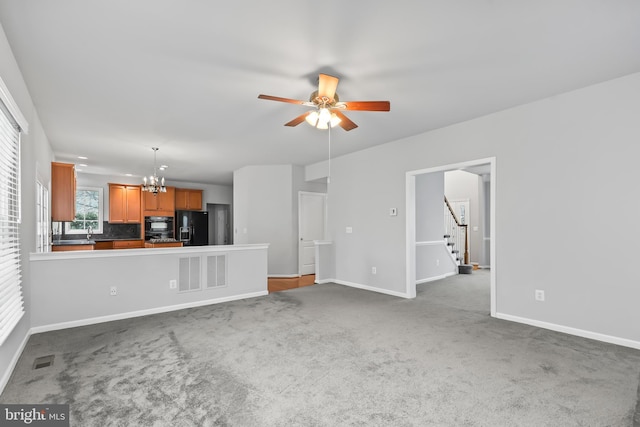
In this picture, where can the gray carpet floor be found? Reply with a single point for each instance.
(328, 355)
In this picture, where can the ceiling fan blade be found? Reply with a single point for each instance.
(298, 120)
(364, 105)
(345, 122)
(327, 85)
(277, 98)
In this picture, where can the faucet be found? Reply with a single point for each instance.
(89, 233)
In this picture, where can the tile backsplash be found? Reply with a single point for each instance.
(109, 231)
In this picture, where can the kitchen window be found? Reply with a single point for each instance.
(88, 211)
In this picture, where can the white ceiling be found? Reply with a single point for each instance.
(111, 79)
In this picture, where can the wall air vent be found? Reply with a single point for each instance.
(189, 274)
(203, 271)
(216, 271)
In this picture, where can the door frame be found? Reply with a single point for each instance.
(410, 223)
(324, 225)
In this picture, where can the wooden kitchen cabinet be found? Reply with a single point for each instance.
(103, 245)
(66, 248)
(63, 191)
(128, 244)
(120, 244)
(161, 204)
(125, 205)
(163, 245)
(188, 199)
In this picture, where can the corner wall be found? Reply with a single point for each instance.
(574, 153)
(36, 157)
(265, 200)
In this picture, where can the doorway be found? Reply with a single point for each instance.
(488, 164)
(311, 227)
(219, 224)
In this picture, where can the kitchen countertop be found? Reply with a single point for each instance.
(90, 242)
(73, 242)
(107, 239)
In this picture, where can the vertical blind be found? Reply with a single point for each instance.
(11, 307)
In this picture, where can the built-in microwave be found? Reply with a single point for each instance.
(158, 227)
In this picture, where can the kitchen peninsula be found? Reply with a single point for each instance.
(71, 288)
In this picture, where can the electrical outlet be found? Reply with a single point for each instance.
(374, 270)
(113, 291)
(349, 230)
(173, 284)
(539, 295)
(437, 262)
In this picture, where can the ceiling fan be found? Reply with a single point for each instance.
(327, 106)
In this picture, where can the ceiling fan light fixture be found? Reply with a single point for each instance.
(324, 116)
(312, 118)
(335, 120)
(322, 119)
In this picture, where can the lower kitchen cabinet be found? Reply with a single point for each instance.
(128, 244)
(163, 245)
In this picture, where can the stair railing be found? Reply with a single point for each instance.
(457, 232)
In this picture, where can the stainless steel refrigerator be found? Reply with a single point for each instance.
(192, 228)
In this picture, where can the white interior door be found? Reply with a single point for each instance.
(311, 221)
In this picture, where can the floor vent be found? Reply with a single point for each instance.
(43, 362)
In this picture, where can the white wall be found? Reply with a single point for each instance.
(36, 157)
(574, 153)
(266, 211)
(433, 257)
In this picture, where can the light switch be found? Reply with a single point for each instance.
(393, 211)
(349, 230)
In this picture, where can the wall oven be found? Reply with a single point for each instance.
(158, 227)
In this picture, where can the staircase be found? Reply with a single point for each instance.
(456, 238)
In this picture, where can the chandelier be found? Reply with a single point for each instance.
(155, 184)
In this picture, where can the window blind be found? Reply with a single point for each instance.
(11, 306)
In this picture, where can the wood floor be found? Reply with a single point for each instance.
(276, 284)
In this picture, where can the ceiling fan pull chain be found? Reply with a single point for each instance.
(329, 174)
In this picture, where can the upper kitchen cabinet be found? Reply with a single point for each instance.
(188, 199)
(63, 191)
(125, 204)
(161, 204)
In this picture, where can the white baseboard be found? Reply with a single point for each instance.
(433, 279)
(121, 316)
(366, 287)
(571, 331)
(6, 375)
(283, 276)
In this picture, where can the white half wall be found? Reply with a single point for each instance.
(71, 289)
